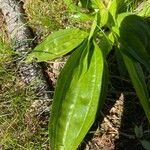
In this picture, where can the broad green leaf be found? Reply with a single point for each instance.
(106, 18)
(103, 12)
(119, 20)
(137, 77)
(135, 49)
(115, 7)
(145, 144)
(121, 17)
(76, 98)
(104, 15)
(134, 38)
(135, 25)
(58, 44)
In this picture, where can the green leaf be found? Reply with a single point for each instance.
(135, 49)
(145, 144)
(137, 77)
(76, 97)
(104, 20)
(115, 7)
(105, 17)
(58, 44)
(103, 12)
(119, 20)
(135, 25)
(134, 39)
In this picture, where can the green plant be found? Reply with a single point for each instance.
(82, 84)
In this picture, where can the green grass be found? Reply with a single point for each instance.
(18, 128)
(45, 16)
